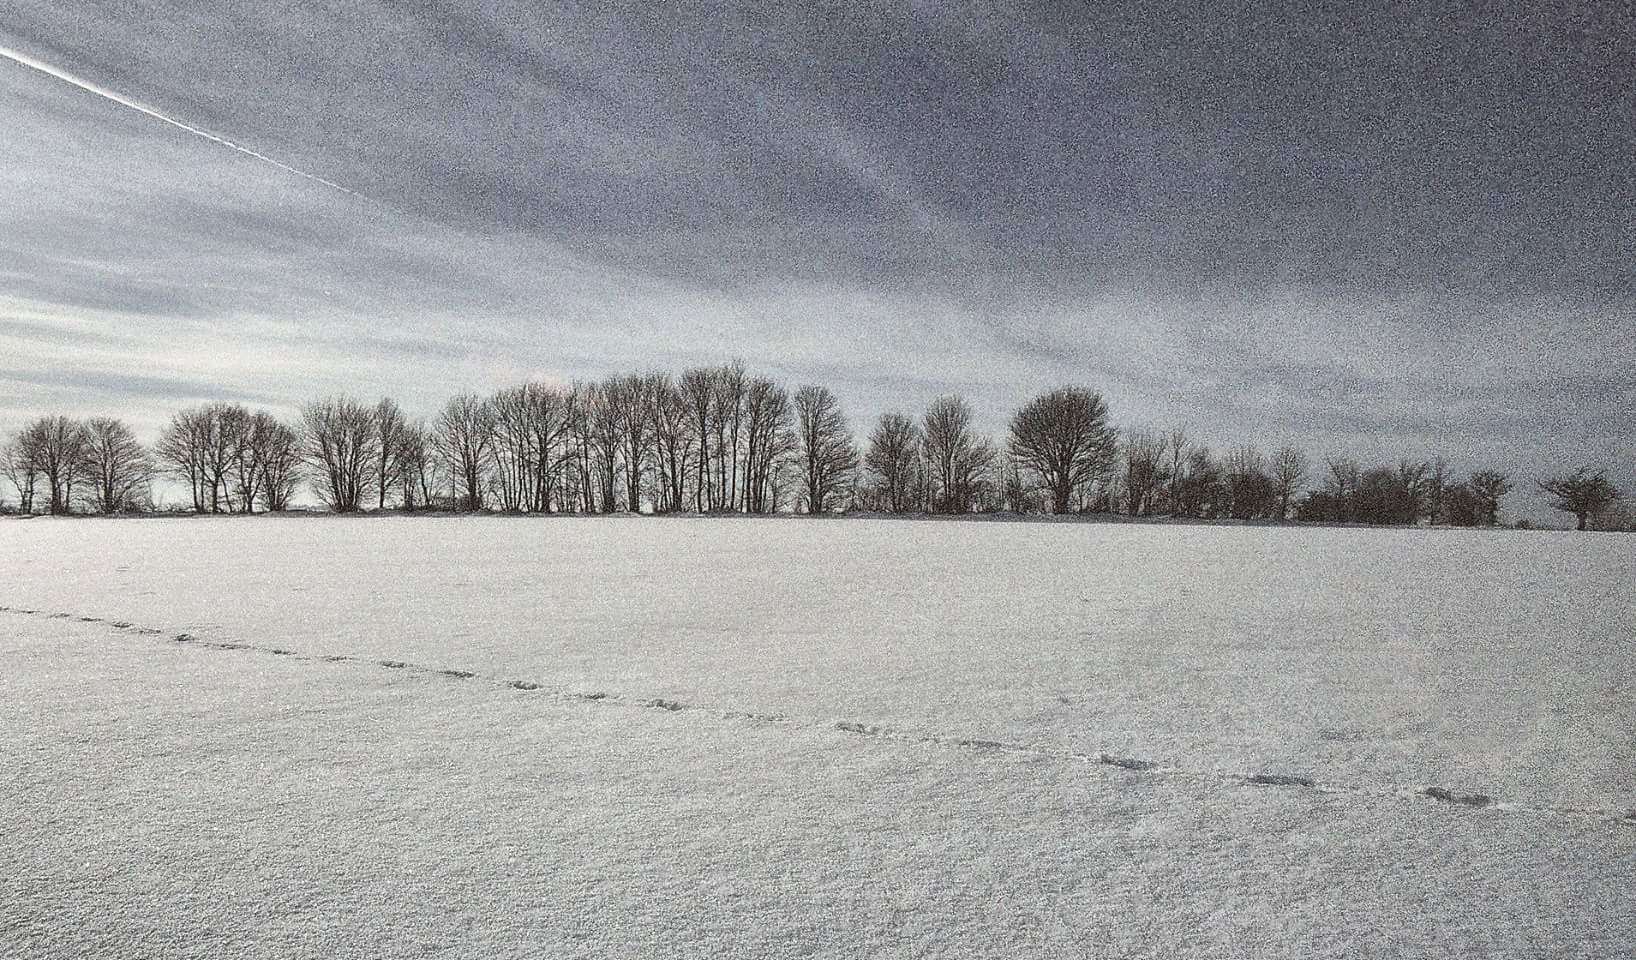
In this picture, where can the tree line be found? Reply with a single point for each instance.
(720, 439)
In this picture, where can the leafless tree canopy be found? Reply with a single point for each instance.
(55, 446)
(339, 437)
(828, 456)
(723, 439)
(18, 467)
(1585, 493)
(1064, 437)
(892, 461)
(462, 436)
(958, 458)
(1289, 471)
(117, 469)
(1145, 471)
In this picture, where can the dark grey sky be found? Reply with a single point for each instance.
(1369, 229)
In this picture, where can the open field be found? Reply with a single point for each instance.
(556, 737)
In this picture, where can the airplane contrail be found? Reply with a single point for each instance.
(107, 94)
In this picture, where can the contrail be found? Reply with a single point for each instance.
(107, 94)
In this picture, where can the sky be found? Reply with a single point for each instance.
(1377, 231)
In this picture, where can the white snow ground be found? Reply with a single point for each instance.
(887, 741)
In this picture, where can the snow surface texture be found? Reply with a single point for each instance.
(490, 737)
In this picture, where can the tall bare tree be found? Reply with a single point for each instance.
(698, 394)
(1341, 485)
(339, 437)
(630, 400)
(957, 455)
(1064, 437)
(55, 445)
(672, 445)
(419, 483)
(22, 471)
(1144, 456)
(390, 425)
(828, 456)
(461, 437)
(278, 458)
(1251, 491)
(118, 471)
(1488, 486)
(1585, 493)
(891, 461)
(1177, 448)
(1437, 488)
(1289, 471)
(199, 447)
(765, 419)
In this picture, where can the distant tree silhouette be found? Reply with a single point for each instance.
(1341, 484)
(118, 471)
(1144, 455)
(1251, 491)
(958, 457)
(24, 474)
(1584, 493)
(55, 446)
(339, 440)
(673, 448)
(278, 459)
(1289, 471)
(1488, 486)
(390, 425)
(1063, 436)
(826, 454)
(892, 462)
(461, 436)
(199, 447)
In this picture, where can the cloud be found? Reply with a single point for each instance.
(1356, 233)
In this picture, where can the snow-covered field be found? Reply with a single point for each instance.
(499, 737)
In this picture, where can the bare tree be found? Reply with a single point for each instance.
(238, 431)
(21, 470)
(515, 457)
(1414, 477)
(1177, 449)
(732, 381)
(605, 444)
(892, 459)
(827, 454)
(390, 425)
(339, 436)
(958, 457)
(117, 469)
(1488, 486)
(1251, 491)
(1289, 471)
(672, 446)
(631, 400)
(1585, 493)
(768, 443)
(698, 395)
(1200, 492)
(461, 437)
(1437, 488)
(1341, 484)
(1144, 455)
(199, 447)
(278, 459)
(1062, 436)
(55, 446)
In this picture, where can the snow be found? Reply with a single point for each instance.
(887, 741)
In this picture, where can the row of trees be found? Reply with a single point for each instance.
(720, 439)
